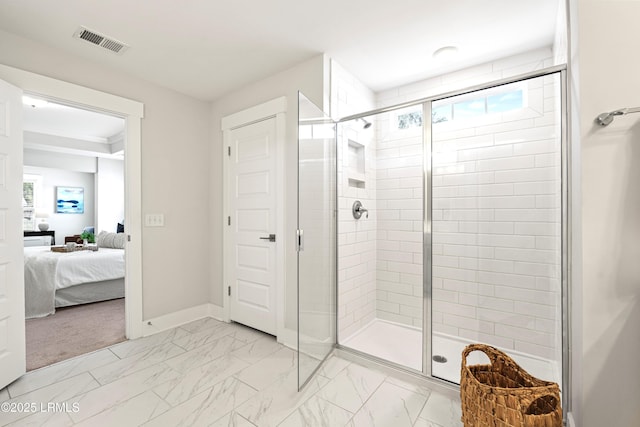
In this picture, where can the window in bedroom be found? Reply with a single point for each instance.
(30, 192)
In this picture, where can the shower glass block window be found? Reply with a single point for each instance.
(496, 229)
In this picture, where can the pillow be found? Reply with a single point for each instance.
(111, 240)
(120, 228)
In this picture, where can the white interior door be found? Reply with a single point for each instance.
(12, 338)
(253, 213)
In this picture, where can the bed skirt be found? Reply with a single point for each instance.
(90, 292)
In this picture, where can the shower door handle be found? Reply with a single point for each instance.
(270, 237)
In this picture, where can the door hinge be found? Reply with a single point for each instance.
(229, 151)
(229, 290)
(228, 220)
(300, 240)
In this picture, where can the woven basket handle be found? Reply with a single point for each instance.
(491, 352)
(551, 399)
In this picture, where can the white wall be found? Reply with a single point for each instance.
(107, 181)
(109, 194)
(575, 229)
(176, 132)
(310, 78)
(607, 42)
(64, 224)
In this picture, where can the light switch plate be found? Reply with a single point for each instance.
(154, 220)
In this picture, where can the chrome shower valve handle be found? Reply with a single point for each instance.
(357, 210)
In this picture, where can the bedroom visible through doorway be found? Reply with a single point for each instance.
(74, 241)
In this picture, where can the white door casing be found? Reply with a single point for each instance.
(133, 112)
(12, 326)
(254, 209)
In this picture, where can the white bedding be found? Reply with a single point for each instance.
(46, 271)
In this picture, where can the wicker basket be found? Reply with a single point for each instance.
(503, 394)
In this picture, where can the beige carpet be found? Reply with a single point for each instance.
(72, 331)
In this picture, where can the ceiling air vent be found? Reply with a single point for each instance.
(101, 40)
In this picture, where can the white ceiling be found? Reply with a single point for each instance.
(206, 48)
(70, 122)
(51, 126)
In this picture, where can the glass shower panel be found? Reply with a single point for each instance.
(496, 226)
(380, 252)
(316, 237)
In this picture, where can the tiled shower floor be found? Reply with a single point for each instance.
(403, 345)
(389, 341)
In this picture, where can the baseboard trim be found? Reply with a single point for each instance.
(175, 319)
(289, 338)
(216, 312)
(165, 322)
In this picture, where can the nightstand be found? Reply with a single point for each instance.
(51, 233)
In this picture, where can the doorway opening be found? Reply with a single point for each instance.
(18, 82)
(74, 208)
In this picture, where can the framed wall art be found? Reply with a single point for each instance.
(70, 200)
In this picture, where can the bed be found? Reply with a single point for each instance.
(55, 279)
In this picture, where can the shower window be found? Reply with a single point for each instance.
(408, 120)
(472, 106)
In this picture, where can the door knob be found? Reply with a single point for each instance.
(270, 237)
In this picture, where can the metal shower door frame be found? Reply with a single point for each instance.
(427, 230)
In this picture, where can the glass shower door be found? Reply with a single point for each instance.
(316, 238)
(497, 226)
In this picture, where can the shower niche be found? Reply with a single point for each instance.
(355, 164)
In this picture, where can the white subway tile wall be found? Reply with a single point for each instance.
(498, 209)
(356, 181)
(496, 213)
(468, 186)
(400, 220)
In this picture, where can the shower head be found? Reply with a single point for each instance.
(367, 124)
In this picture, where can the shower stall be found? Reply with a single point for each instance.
(434, 224)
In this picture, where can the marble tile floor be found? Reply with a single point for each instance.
(209, 373)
